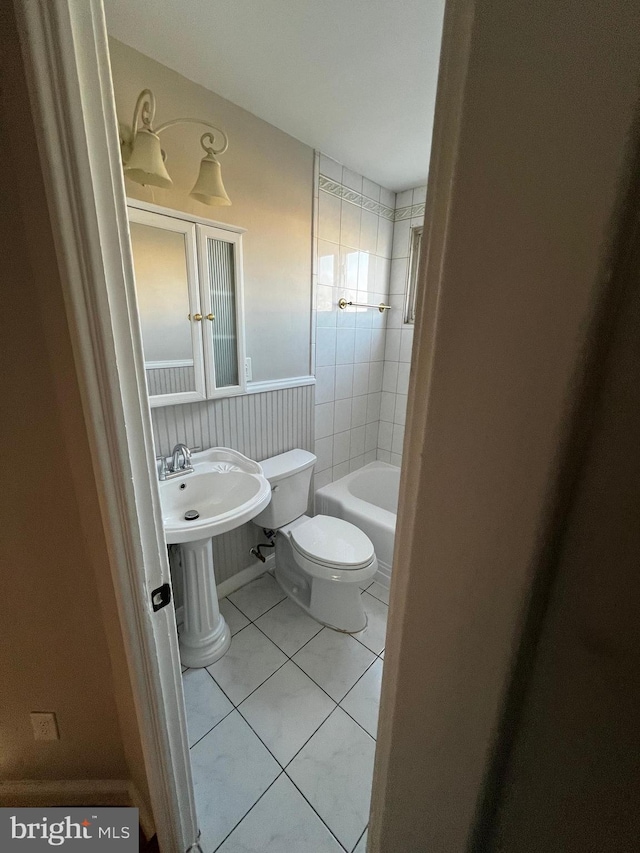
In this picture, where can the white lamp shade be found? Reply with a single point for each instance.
(209, 188)
(145, 165)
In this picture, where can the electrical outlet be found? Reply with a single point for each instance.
(248, 372)
(44, 725)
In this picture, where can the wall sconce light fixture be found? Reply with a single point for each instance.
(143, 157)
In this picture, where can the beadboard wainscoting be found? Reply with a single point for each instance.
(170, 380)
(258, 425)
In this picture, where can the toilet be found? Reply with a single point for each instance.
(321, 562)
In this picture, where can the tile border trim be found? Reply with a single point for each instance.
(335, 188)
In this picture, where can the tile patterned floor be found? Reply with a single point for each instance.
(282, 728)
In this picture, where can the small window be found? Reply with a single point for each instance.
(412, 280)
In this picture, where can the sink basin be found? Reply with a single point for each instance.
(226, 490)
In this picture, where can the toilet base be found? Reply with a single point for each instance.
(335, 602)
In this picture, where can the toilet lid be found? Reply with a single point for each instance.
(334, 542)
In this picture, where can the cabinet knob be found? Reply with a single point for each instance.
(197, 317)
(211, 317)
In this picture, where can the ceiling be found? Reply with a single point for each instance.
(353, 78)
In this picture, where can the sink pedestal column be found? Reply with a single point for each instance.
(205, 636)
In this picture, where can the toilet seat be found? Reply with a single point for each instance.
(333, 543)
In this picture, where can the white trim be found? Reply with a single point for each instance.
(65, 53)
(179, 214)
(277, 384)
(162, 365)
(22, 793)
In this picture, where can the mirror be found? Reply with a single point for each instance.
(189, 292)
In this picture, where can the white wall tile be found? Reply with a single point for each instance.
(341, 444)
(342, 416)
(322, 479)
(384, 244)
(324, 420)
(366, 277)
(356, 447)
(383, 273)
(377, 344)
(384, 455)
(404, 199)
(325, 384)
(392, 345)
(340, 470)
(371, 436)
(328, 261)
(387, 406)
(373, 407)
(356, 462)
(324, 453)
(398, 438)
(345, 346)
(350, 225)
(385, 435)
(419, 195)
(395, 316)
(329, 210)
(348, 272)
(359, 411)
(370, 190)
(370, 456)
(325, 347)
(390, 376)
(406, 344)
(400, 248)
(403, 377)
(362, 349)
(360, 379)
(376, 369)
(398, 277)
(396, 459)
(330, 168)
(369, 232)
(387, 197)
(351, 179)
(344, 381)
(400, 411)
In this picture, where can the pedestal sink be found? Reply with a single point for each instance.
(224, 491)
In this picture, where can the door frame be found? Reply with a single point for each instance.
(65, 53)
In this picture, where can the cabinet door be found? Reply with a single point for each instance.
(220, 254)
(168, 295)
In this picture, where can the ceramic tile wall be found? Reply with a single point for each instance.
(353, 243)
(409, 212)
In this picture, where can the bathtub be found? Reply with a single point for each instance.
(367, 498)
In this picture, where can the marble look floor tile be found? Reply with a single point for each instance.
(281, 822)
(257, 597)
(286, 710)
(205, 703)
(379, 591)
(363, 700)
(361, 846)
(334, 771)
(231, 770)
(373, 636)
(251, 659)
(235, 619)
(335, 661)
(288, 626)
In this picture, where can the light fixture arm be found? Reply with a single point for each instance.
(145, 111)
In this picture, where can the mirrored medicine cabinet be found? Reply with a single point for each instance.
(189, 289)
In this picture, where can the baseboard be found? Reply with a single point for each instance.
(233, 583)
(245, 576)
(66, 792)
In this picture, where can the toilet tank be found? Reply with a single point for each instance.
(290, 477)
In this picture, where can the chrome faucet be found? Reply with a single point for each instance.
(178, 464)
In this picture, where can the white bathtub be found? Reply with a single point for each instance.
(367, 498)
